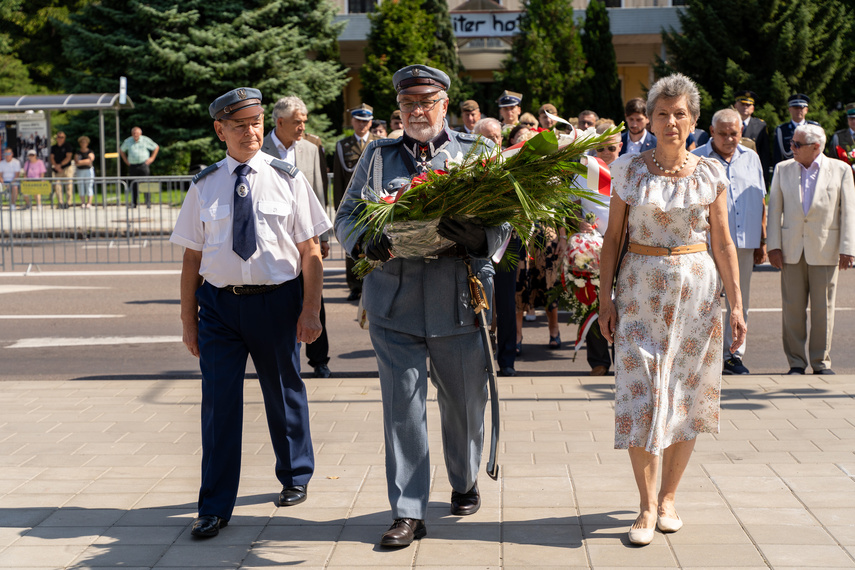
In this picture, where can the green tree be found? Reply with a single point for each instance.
(180, 57)
(772, 47)
(402, 34)
(546, 63)
(601, 87)
(445, 50)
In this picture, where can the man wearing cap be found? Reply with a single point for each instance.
(509, 112)
(420, 309)
(347, 153)
(249, 225)
(543, 118)
(845, 138)
(811, 237)
(395, 121)
(754, 129)
(470, 112)
(797, 105)
(287, 142)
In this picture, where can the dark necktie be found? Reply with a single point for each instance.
(243, 222)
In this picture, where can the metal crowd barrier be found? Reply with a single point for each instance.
(116, 228)
(130, 221)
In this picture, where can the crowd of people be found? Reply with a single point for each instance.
(77, 167)
(685, 219)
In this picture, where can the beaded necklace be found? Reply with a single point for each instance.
(676, 170)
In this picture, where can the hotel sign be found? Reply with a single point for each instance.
(486, 24)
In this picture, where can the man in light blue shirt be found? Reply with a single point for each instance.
(746, 212)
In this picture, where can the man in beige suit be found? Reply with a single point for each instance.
(811, 234)
(286, 141)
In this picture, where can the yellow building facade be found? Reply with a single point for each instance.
(486, 28)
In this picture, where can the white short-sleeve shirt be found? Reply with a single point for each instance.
(287, 212)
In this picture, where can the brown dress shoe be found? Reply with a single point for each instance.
(403, 532)
(599, 371)
(467, 503)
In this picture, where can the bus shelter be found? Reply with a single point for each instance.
(34, 109)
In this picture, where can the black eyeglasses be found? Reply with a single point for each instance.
(797, 145)
(611, 148)
(410, 106)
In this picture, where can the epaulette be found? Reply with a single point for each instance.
(205, 172)
(386, 142)
(314, 139)
(285, 167)
(467, 136)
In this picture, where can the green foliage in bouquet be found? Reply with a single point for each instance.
(537, 184)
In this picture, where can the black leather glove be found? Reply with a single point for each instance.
(470, 235)
(377, 248)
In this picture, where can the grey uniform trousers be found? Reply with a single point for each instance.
(458, 371)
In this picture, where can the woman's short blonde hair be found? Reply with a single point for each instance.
(83, 139)
(671, 87)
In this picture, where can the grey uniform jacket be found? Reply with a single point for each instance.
(422, 297)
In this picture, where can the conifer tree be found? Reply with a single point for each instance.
(601, 87)
(773, 48)
(402, 34)
(180, 57)
(445, 49)
(546, 63)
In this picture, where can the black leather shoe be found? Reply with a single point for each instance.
(403, 532)
(467, 503)
(293, 495)
(207, 526)
(507, 371)
(824, 371)
(796, 370)
(354, 296)
(322, 371)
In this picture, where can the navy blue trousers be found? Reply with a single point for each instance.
(264, 326)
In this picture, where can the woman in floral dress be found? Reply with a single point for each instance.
(665, 320)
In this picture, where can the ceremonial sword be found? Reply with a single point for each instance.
(480, 306)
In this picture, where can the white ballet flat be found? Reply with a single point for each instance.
(667, 524)
(641, 536)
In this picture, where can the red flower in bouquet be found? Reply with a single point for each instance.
(847, 156)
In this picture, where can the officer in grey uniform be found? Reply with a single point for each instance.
(419, 309)
(249, 225)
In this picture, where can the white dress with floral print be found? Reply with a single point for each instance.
(668, 340)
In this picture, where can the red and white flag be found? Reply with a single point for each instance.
(599, 177)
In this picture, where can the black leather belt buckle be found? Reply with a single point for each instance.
(251, 289)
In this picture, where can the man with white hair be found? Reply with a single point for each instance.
(287, 142)
(489, 128)
(746, 213)
(419, 309)
(811, 235)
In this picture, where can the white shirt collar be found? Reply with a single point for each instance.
(277, 142)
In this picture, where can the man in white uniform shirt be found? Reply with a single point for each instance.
(249, 226)
(746, 213)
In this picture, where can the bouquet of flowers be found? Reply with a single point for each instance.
(580, 275)
(847, 155)
(533, 181)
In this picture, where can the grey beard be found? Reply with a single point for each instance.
(424, 132)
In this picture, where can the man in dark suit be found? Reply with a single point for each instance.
(636, 138)
(347, 153)
(287, 142)
(798, 108)
(754, 128)
(470, 112)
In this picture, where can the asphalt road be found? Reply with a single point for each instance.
(121, 321)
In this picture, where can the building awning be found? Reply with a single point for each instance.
(69, 102)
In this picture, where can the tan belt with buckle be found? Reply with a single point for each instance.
(679, 250)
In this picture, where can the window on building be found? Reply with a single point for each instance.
(361, 6)
(644, 3)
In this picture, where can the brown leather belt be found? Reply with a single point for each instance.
(679, 250)
(251, 289)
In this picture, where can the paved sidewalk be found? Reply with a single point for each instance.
(105, 474)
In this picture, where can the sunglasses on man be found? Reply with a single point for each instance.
(797, 145)
(610, 148)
